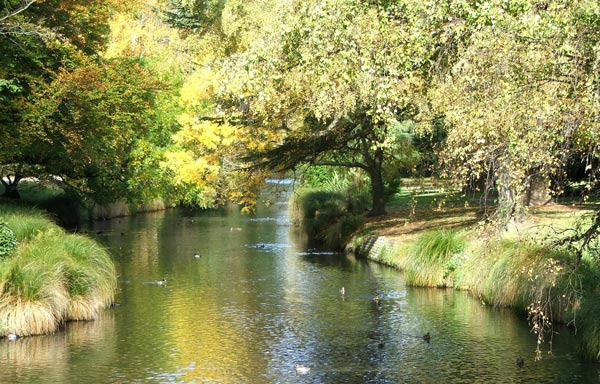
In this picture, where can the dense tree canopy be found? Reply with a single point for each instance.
(522, 100)
(331, 84)
(510, 89)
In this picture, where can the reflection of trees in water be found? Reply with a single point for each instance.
(51, 354)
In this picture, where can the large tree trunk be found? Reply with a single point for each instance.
(10, 186)
(516, 195)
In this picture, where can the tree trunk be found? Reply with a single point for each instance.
(374, 166)
(12, 191)
(377, 193)
(516, 195)
(10, 187)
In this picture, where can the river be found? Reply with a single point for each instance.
(256, 301)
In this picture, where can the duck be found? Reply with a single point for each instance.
(376, 299)
(196, 255)
(302, 369)
(12, 337)
(343, 291)
(520, 362)
(427, 337)
(161, 282)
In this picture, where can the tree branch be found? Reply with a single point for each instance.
(23, 6)
(348, 164)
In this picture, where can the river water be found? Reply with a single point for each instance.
(257, 301)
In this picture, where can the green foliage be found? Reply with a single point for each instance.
(326, 216)
(517, 96)
(433, 258)
(194, 15)
(8, 241)
(85, 125)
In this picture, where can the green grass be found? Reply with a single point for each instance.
(432, 259)
(52, 277)
(27, 222)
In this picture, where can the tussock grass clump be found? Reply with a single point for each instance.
(589, 325)
(433, 259)
(326, 216)
(522, 275)
(90, 277)
(53, 277)
(25, 222)
(33, 298)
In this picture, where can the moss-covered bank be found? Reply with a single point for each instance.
(516, 270)
(48, 276)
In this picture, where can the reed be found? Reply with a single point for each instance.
(110, 210)
(432, 259)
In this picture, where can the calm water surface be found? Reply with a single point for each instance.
(258, 301)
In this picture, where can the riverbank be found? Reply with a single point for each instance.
(48, 276)
(70, 211)
(449, 248)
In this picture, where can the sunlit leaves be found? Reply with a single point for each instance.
(518, 98)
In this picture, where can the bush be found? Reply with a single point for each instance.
(8, 241)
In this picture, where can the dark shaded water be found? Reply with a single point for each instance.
(257, 302)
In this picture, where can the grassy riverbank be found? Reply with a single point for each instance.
(440, 241)
(522, 268)
(50, 277)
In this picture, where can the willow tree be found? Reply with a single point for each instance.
(329, 85)
(523, 96)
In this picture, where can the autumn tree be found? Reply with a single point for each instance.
(37, 39)
(521, 98)
(85, 126)
(330, 84)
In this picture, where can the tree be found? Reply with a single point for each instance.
(37, 39)
(521, 97)
(84, 126)
(329, 83)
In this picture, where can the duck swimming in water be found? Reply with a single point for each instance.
(161, 282)
(427, 337)
(520, 362)
(342, 291)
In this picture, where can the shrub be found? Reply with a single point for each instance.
(8, 241)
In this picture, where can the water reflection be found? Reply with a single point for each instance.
(257, 302)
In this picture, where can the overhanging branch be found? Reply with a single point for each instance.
(347, 164)
(23, 6)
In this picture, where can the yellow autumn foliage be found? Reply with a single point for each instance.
(191, 169)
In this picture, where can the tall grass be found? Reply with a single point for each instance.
(433, 259)
(33, 298)
(26, 222)
(53, 277)
(90, 277)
